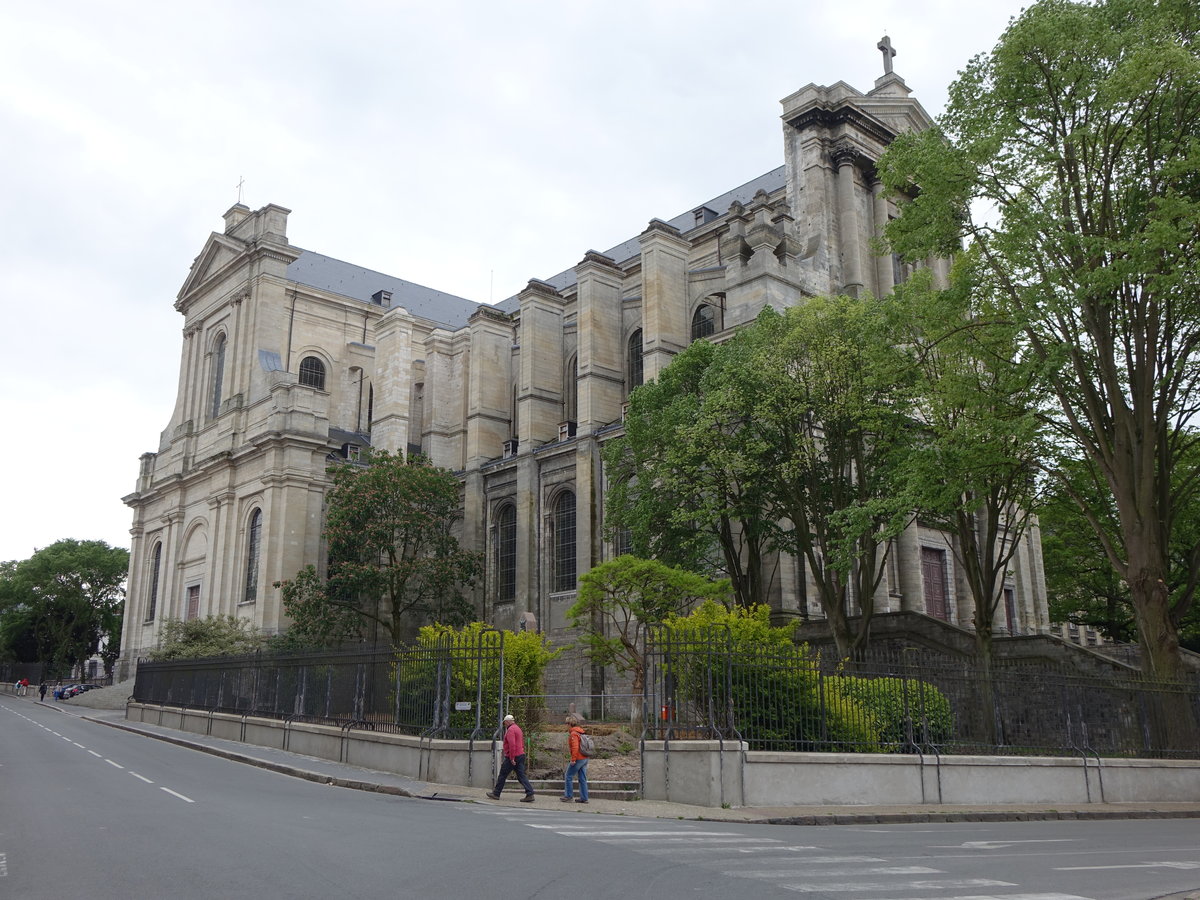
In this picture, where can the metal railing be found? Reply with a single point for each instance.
(706, 685)
(452, 688)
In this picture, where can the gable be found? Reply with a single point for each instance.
(218, 253)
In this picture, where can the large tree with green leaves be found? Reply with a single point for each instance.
(394, 562)
(64, 604)
(974, 472)
(1078, 137)
(674, 493)
(826, 409)
(618, 598)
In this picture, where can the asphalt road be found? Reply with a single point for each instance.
(87, 811)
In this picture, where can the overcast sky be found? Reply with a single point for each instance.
(466, 146)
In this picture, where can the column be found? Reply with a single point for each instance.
(845, 157)
(884, 282)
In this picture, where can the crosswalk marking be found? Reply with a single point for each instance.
(939, 885)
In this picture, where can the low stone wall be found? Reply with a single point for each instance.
(712, 773)
(440, 761)
(715, 773)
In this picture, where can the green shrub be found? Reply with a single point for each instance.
(210, 636)
(893, 701)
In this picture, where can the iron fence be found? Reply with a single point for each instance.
(705, 685)
(451, 689)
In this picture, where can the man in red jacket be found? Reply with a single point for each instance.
(514, 759)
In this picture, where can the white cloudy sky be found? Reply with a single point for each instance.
(468, 145)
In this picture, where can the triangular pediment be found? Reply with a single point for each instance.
(219, 252)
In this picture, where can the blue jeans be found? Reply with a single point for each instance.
(577, 767)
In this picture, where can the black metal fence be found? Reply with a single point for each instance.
(704, 685)
(451, 689)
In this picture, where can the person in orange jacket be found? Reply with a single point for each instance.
(577, 765)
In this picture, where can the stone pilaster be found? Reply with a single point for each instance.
(845, 158)
(393, 382)
(446, 364)
(601, 357)
(488, 400)
(665, 325)
(539, 389)
(884, 282)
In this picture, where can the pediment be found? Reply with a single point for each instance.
(219, 252)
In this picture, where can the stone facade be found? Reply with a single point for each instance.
(291, 359)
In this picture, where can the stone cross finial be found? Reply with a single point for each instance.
(241, 182)
(885, 45)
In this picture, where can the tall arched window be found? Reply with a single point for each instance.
(571, 390)
(635, 359)
(312, 373)
(218, 375)
(563, 578)
(506, 553)
(155, 570)
(253, 545)
(704, 322)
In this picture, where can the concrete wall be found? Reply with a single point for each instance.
(441, 761)
(708, 773)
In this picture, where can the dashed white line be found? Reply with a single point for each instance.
(95, 754)
(173, 794)
(79, 745)
(143, 777)
(111, 763)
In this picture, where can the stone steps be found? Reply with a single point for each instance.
(600, 790)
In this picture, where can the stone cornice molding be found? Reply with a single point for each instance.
(845, 115)
(593, 258)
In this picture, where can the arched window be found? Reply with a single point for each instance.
(155, 570)
(253, 545)
(563, 578)
(506, 553)
(571, 390)
(218, 375)
(635, 359)
(312, 373)
(704, 322)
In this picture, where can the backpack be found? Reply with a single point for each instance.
(586, 745)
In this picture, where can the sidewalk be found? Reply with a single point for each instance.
(327, 772)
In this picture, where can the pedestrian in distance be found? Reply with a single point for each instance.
(577, 764)
(24, 687)
(42, 692)
(513, 760)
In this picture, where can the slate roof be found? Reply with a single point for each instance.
(349, 280)
(329, 274)
(685, 222)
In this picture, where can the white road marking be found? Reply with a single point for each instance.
(1146, 865)
(1000, 845)
(94, 753)
(791, 849)
(79, 745)
(173, 794)
(996, 897)
(649, 833)
(111, 763)
(800, 873)
(708, 841)
(880, 886)
(829, 860)
(142, 777)
(3, 865)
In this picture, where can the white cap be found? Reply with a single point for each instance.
(509, 718)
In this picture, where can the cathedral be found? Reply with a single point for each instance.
(292, 359)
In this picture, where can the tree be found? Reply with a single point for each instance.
(1082, 586)
(1080, 135)
(394, 562)
(210, 636)
(618, 597)
(673, 492)
(64, 603)
(974, 473)
(826, 410)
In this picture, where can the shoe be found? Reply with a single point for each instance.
(492, 796)
(528, 798)
(565, 799)
(581, 801)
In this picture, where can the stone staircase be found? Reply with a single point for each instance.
(597, 790)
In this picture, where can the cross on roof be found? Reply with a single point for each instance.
(241, 181)
(885, 45)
